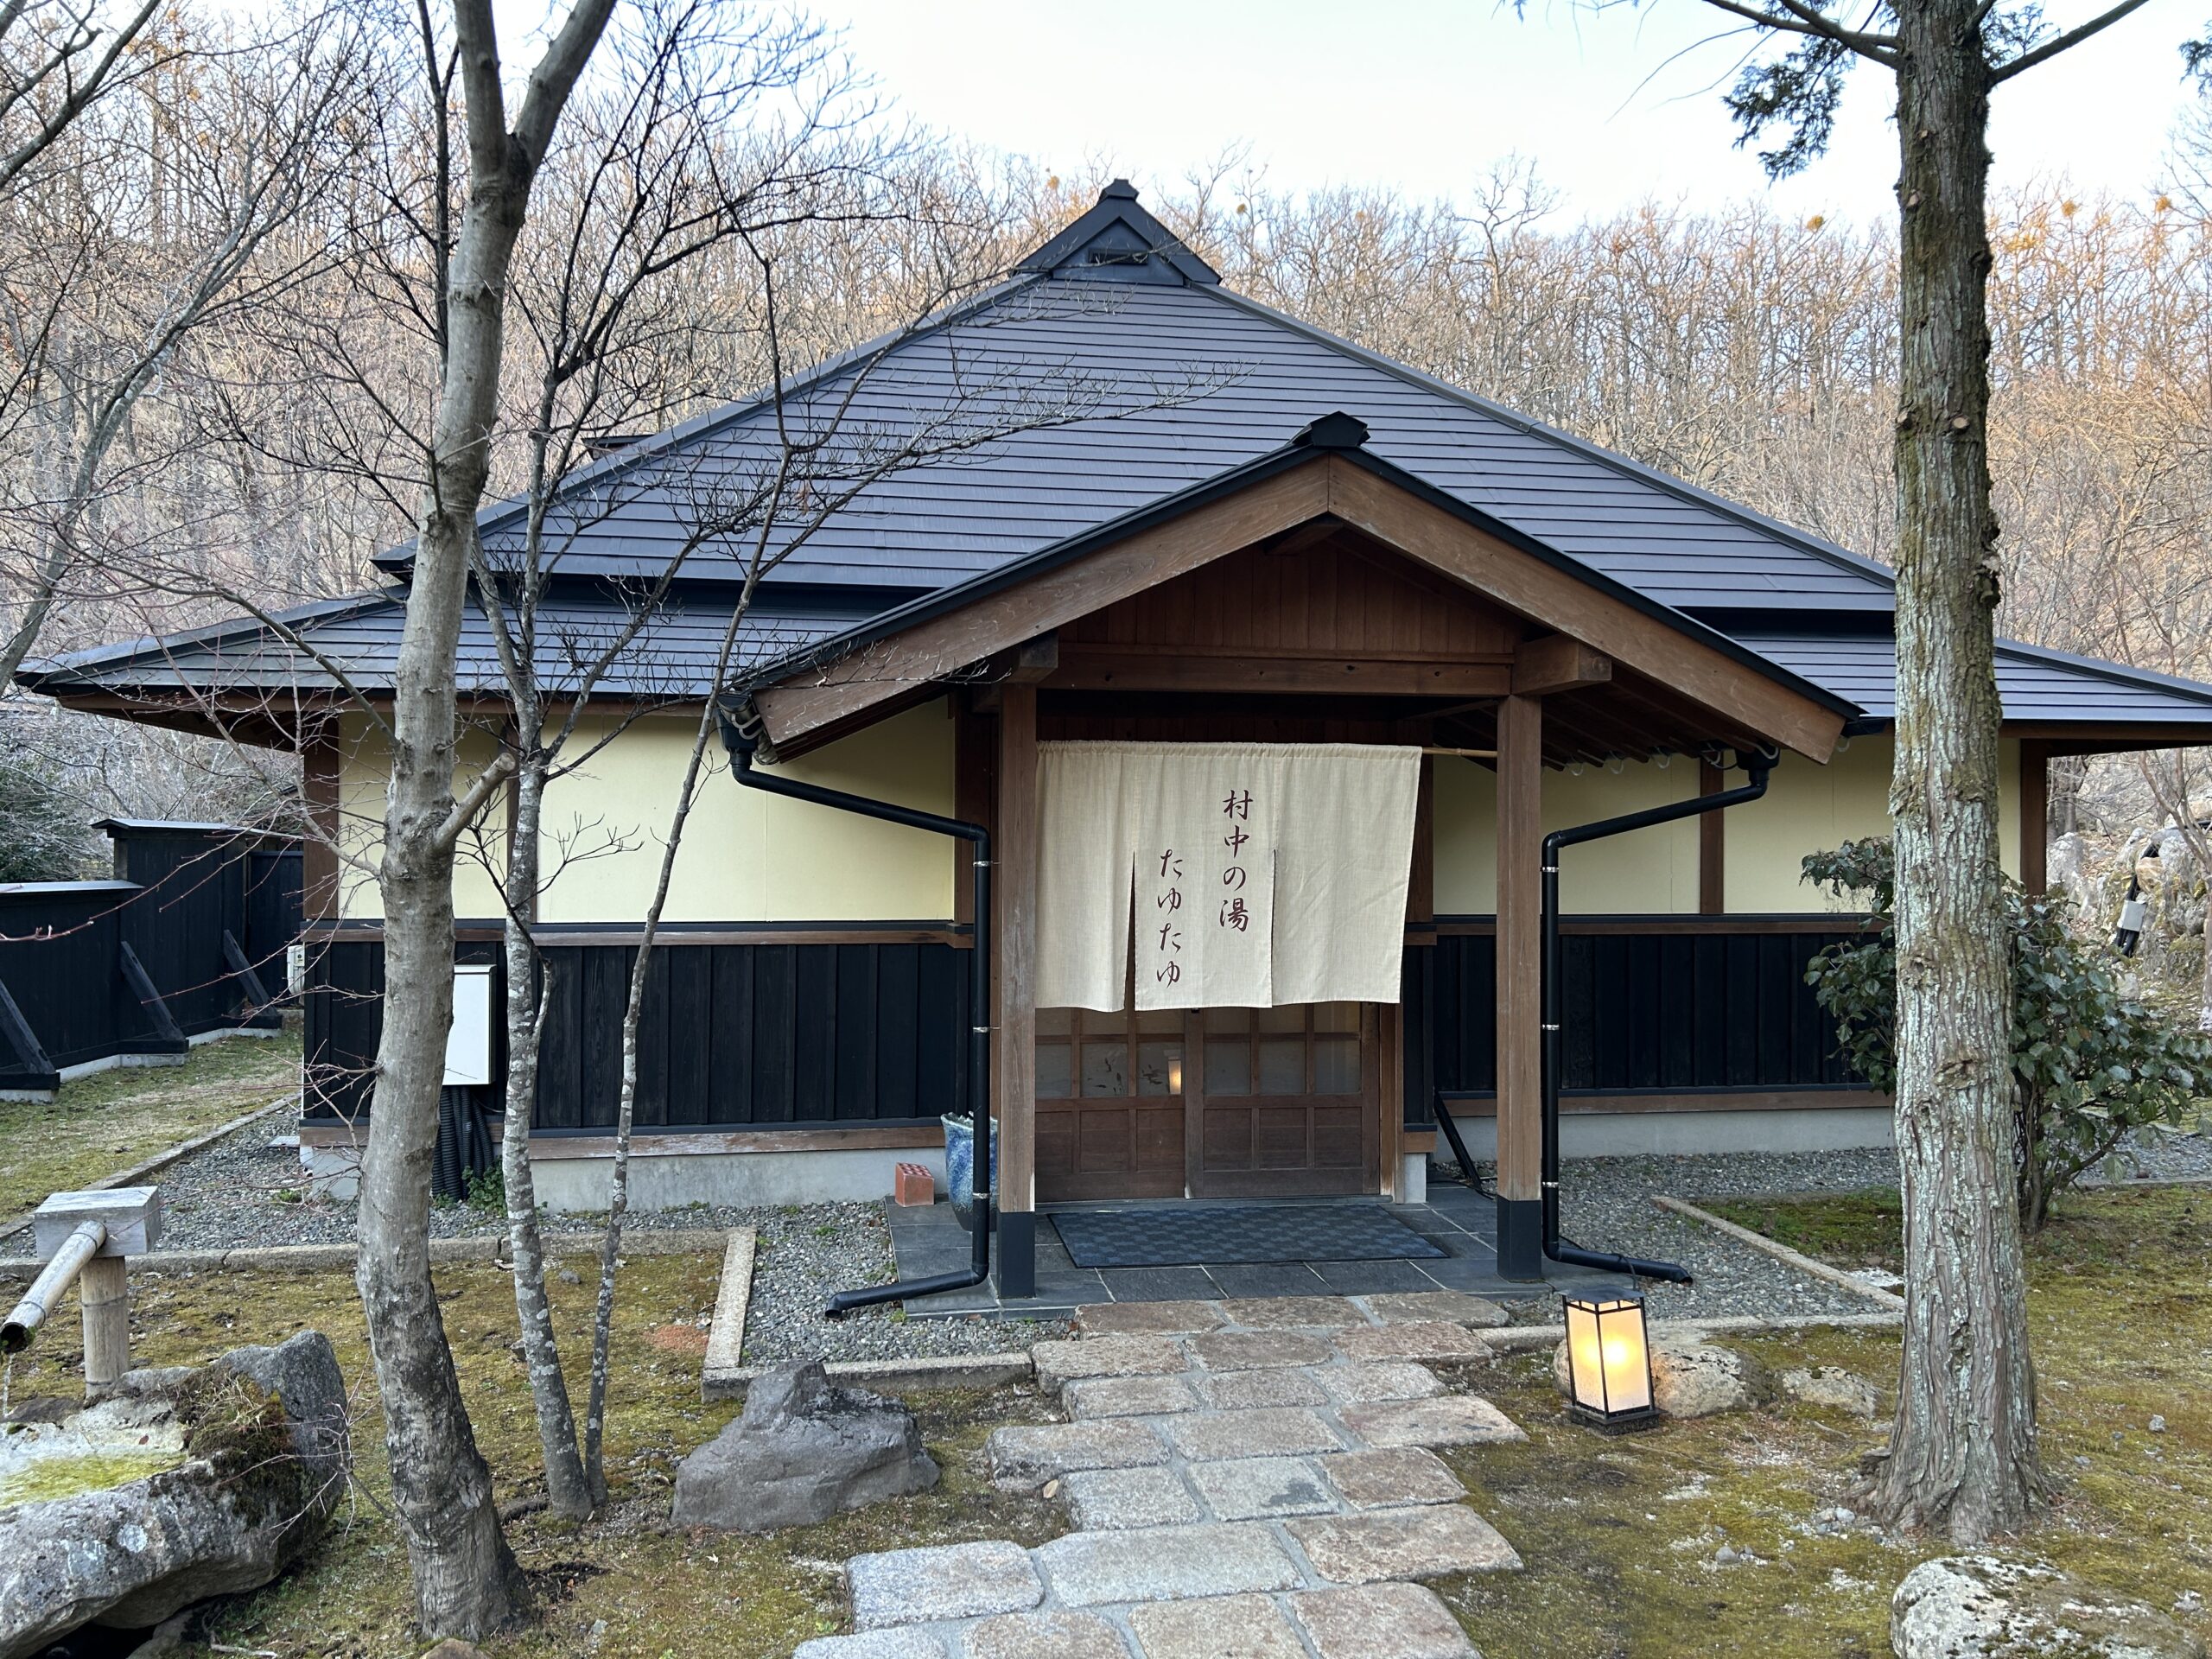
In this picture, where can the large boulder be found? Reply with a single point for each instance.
(804, 1450)
(2004, 1607)
(178, 1485)
(1691, 1378)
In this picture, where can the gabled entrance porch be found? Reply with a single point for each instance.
(1318, 596)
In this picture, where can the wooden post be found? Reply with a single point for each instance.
(1520, 1037)
(1712, 845)
(1013, 1023)
(2035, 815)
(103, 1294)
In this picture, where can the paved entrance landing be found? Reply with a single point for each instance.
(1457, 1220)
(1248, 1477)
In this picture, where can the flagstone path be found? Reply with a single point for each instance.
(1244, 1480)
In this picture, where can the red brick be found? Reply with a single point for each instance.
(913, 1184)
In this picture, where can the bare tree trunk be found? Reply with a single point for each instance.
(565, 1488)
(1962, 1457)
(466, 1580)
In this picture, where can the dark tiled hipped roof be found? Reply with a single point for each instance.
(1113, 372)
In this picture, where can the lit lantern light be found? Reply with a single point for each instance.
(1608, 1363)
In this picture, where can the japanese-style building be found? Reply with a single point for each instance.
(1106, 506)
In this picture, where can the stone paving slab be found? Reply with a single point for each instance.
(1380, 1621)
(874, 1644)
(1255, 1488)
(1219, 1627)
(1091, 1569)
(1422, 1543)
(1365, 1382)
(1432, 1341)
(1209, 1436)
(921, 1586)
(1147, 1319)
(1059, 1362)
(1251, 1390)
(1391, 1477)
(1421, 1306)
(1045, 1636)
(1023, 1458)
(1274, 1313)
(1128, 1396)
(1114, 1500)
(1250, 1350)
(1449, 1420)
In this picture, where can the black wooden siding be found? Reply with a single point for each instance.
(733, 1036)
(1645, 1013)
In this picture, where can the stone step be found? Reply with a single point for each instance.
(1422, 1543)
(1092, 1569)
(1213, 1436)
(1447, 1419)
(1258, 1489)
(1060, 1363)
(1118, 1500)
(1430, 1341)
(1365, 1382)
(923, 1586)
(1093, 1397)
(1391, 1477)
(1023, 1459)
(1380, 1621)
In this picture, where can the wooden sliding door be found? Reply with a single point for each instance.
(1275, 1103)
(1285, 1103)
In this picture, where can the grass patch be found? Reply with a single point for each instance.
(1848, 1229)
(114, 1119)
(657, 1591)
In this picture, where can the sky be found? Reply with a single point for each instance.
(1426, 95)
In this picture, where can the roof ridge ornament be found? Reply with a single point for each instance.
(1335, 430)
(1117, 241)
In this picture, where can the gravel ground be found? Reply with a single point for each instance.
(804, 1254)
(245, 1190)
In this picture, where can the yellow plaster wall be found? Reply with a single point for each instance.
(746, 856)
(1807, 809)
(1651, 872)
(364, 761)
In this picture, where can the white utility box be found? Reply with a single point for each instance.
(468, 1044)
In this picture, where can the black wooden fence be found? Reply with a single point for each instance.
(189, 938)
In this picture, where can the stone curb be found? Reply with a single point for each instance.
(890, 1376)
(325, 1258)
(1797, 1259)
(1520, 1339)
(160, 1160)
(733, 1297)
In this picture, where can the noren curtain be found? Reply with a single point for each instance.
(1229, 874)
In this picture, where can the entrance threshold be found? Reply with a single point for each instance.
(1456, 1219)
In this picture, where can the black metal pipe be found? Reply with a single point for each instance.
(741, 746)
(1444, 1098)
(1759, 766)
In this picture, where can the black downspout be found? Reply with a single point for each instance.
(741, 748)
(1758, 765)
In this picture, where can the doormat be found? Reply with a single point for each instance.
(1192, 1236)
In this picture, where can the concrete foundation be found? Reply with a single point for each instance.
(670, 1180)
(1628, 1134)
(664, 1177)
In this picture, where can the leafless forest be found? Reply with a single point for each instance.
(216, 343)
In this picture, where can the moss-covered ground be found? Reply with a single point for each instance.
(655, 1591)
(1620, 1536)
(114, 1119)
